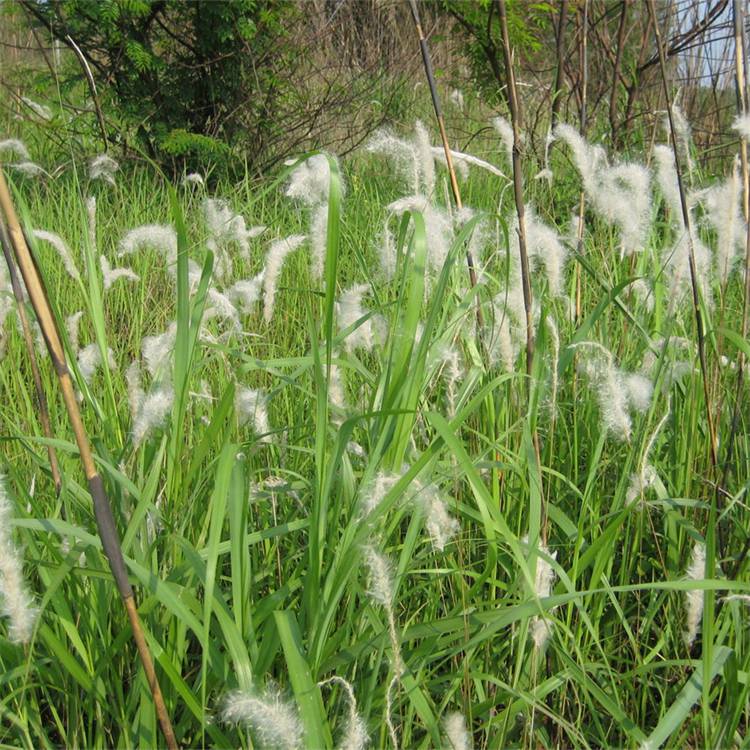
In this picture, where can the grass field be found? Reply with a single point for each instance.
(361, 484)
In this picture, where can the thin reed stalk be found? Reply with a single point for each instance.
(102, 510)
(741, 85)
(691, 249)
(560, 69)
(29, 343)
(427, 60)
(584, 64)
(92, 87)
(515, 116)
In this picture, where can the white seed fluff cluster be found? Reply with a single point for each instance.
(274, 720)
(694, 598)
(541, 627)
(17, 604)
(103, 167)
(454, 726)
(250, 406)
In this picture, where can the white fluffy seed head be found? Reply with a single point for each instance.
(251, 409)
(28, 168)
(112, 275)
(426, 159)
(640, 483)
(16, 602)
(155, 409)
(103, 167)
(544, 577)
(310, 181)
(639, 391)
(159, 237)
(275, 258)
(14, 146)
(403, 154)
(350, 310)
(440, 525)
(61, 248)
(380, 574)
(505, 130)
(376, 490)
(157, 352)
(72, 324)
(723, 214)
(193, 178)
(89, 360)
(694, 599)
(454, 726)
(598, 366)
(274, 720)
(245, 293)
(135, 391)
(742, 126)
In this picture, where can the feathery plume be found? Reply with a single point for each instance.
(72, 324)
(683, 133)
(274, 720)
(505, 130)
(28, 168)
(454, 726)
(250, 406)
(193, 178)
(245, 293)
(155, 409)
(275, 258)
(17, 604)
(89, 361)
(441, 526)
(159, 237)
(640, 483)
(620, 194)
(639, 391)
(403, 153)
(382, 591)
(382, 588)
(135, 390)
(349, 311)
(426, 159)
(375, 491)
(112, 275)
(14, 146)
(221, 307)
(103, 167)
(40, 110)
(723, 214)
(355, 735)
(544, 577)
(742, 125)
(463, 161)
(61, 248)
(611, 391)
(694, 599)
(157, 352)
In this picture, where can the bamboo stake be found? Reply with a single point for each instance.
(29, 341)
(102, 511)
(427, 60)
(691, 249)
